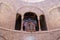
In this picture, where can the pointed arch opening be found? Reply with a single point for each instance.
(30, 22)
(18, 22)
(43, 25)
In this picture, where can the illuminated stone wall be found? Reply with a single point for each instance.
(7, 16)
(48, 7)
(9, 9)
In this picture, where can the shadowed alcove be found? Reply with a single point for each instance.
(43, 25)
(30, 17)
(18, 22)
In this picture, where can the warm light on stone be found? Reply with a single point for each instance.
(29, 38)
(33, 1)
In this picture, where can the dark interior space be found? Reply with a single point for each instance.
(18, 22)
(32, 16)
(43, 23)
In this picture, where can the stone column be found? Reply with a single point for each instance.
(39, 22)
(22, 24)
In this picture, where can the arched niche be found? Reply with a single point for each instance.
(43, 24)
(53, 18)
(18, 22)
(24, 9)
(36, 10)
(30, 22)
(7, 16)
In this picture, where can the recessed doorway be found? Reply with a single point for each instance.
(30, 22)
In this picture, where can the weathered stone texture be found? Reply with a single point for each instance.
(9, 9)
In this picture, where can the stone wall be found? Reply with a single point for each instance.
(9, 9)
(7, 34)
(50, 8)
(7, 16)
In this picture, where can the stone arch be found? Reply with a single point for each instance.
(31, 14)
(31, 17)
(7, 13)
(56, 6)
(54, 15)
(26, 8)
